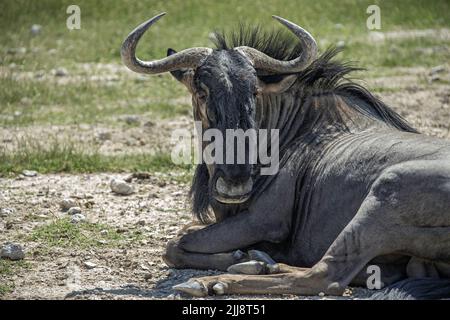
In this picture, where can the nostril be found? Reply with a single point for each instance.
(238, 173)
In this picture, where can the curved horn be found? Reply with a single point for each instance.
(273, 66)
(189, 58)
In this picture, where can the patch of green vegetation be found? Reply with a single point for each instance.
(6, 288)
(64, 234)
(8, 267)
(67, 158)
(104, 25)
(45, 102)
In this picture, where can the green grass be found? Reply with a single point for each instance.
(25, 100)
(64, 234)
(86, 101)
(68, 158)
(105, 24)
(7, 269)
(5, 289)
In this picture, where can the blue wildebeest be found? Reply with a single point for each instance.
(357, 185)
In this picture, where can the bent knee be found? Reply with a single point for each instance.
(173, 256)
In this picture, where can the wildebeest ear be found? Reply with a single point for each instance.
(182, 75)
(277, 87)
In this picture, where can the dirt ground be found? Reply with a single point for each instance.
(157, 209)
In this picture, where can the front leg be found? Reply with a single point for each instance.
(267, 219)
(237, 232)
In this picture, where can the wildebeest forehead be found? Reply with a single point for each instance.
(230, 82)
(227, 71)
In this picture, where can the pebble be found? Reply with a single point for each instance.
(148, 276)
(89, 265)
(35, 29)
(4, 212)
(21, 50)
(12, 251)
(131, 119)
(340, 44)
(61, 72)
(76, 218)
(434, 77)
(66, 204)
(74, 210)
(119, 186)
(103, 136)
(29, 173)
(437, 69)
(104, 232)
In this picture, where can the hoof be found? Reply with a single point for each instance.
(220, 288)
(250, 267)
(273, 268)
(238, 255)
(192, 287)
(261, 256)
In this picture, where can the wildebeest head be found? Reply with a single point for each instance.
(225, 85)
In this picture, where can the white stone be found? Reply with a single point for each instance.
(121, 187)
(78, 217)
(66, 204)
(29, 173)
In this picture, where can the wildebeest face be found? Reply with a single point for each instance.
(224, 89)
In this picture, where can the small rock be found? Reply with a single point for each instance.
(103, 136)
(12, 251)
(104, 232)
(121, 230)
(131, 119)
(89, 265)
(35, 29)
(321, 294)
(250, 267)
(340, 44)
(148, 276)
(77, 218)
(437, 69)
(60, 72)
(66, 204)
(21, 50)
(4, 212)
(141, 222)
(29, 173)
(74, 210)
(434, 77)
(121, 187)
(149, 124)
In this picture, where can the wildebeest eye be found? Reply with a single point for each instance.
(202, 96)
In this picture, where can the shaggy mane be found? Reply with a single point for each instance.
(325, 75)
